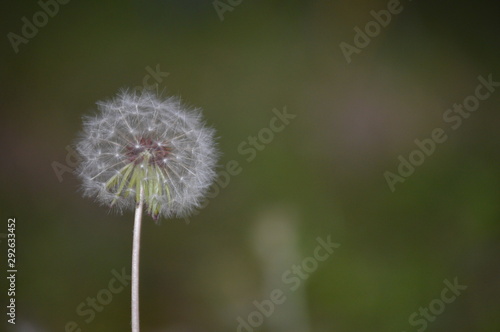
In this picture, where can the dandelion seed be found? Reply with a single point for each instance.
(135, 135)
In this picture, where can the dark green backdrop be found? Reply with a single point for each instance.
(322, 175)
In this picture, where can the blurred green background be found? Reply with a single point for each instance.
(323, 175)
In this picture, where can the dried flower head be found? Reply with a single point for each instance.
(142, 140)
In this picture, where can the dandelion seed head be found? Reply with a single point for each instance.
(143, 140)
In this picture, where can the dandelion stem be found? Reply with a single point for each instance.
(135, 259)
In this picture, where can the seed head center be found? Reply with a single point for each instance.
(149, 151)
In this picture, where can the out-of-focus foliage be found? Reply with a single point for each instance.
(322, 175)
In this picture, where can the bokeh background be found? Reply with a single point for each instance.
(321, 176)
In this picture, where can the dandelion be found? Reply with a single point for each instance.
(143, 152)
(141, 141)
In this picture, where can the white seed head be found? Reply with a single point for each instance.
(142, 140)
